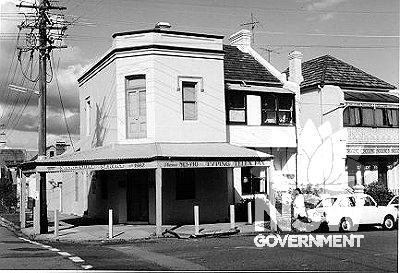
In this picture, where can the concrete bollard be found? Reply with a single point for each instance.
(110, 224)
(249, 214)
(196, 220)
(232, 214)
(56, 224)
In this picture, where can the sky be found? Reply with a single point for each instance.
(363, 33)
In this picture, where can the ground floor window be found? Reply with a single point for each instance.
(250, 181)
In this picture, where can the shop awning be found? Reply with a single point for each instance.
(154, 155)
(256, 88)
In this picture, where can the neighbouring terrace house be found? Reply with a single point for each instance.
(356, 117)
(154, 134)
(261, 113)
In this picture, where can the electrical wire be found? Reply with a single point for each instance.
(61, 101)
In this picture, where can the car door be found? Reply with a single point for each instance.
(370, 213)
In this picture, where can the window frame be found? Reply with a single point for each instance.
(128, 89)
(277, 110)
(254, 182)
(346, 111)
(229, 108)
(88, 116)
(199, 87)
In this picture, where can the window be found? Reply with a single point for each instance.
(277, 109)
(189, 100)
(135, 87)
(250, 183)
(236, 108)
(185, 184)
(51, 153)
(88, 115)
(347, 202)
(368, 202)
(76, 186)
(370, 117)
(367, 115)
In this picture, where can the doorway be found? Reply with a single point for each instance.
(137, 196)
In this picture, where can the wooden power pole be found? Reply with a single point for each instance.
(43, 24)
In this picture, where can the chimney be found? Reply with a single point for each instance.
(61, 147)
(241, 38)
(295, 74)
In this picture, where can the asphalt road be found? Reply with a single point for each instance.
(17, 254)
(378, 253)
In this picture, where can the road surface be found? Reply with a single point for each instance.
(378, 253)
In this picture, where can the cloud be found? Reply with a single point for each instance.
(327, 16)
(322, 4)
(55, 123)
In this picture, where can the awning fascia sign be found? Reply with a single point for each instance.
(164, 164)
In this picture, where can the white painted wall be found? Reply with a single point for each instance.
(262, 136)
(101, 89)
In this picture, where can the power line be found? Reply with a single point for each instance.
(61, 102)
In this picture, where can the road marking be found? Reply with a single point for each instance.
(76, 259)
(66, 254)
(247, 247)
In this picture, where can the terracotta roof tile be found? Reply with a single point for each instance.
(240, 66)
(330, 70)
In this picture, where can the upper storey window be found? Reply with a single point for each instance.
(370, 117)
(236, 108)
(190, 88)
(277, 109)
(135, 92)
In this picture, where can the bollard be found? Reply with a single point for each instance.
(196, 220)
(232, 211)
(56, 224)
(110, 224)
(249, 213)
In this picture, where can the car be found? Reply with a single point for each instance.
(394, 202)
(346, 212)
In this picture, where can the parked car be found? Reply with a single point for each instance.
(395, 203)
(346, 212)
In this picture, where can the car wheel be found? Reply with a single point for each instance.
(388, 223)
(345, 225)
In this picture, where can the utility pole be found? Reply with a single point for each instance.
(252, 25)
(43, 23)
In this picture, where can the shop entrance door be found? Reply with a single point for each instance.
(137, 197)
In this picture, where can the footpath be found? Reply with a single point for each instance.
(80, 229)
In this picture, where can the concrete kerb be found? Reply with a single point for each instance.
(27, 233)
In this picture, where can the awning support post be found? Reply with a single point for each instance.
(158, 201)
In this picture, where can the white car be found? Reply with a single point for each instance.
(395, 203)
(345, 212)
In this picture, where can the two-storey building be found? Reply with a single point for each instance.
(261, 113)
(154, 138)
(356, 117)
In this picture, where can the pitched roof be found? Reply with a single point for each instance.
(240, 66)
(330, 70)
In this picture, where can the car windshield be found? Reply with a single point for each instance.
(395, 201)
